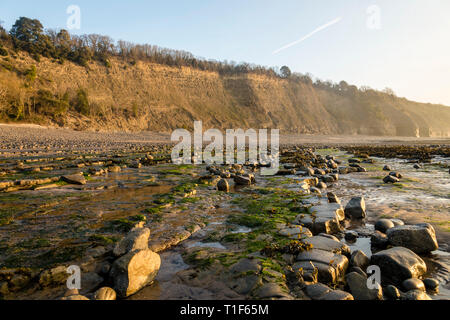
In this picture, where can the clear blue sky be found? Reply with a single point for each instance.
(410, 53)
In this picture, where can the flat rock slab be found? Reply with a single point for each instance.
(337, 295)
(246, 265)
(136, 239)
(331, 266)
(320, 291)
(74, 179)
(296, 232)
(398, 264)
(244, 285)
(317, 290)
(324, 218)
(328, 244)
(272, 291)
(329, 210)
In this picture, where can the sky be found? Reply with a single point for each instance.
(401, 44)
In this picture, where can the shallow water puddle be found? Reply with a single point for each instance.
(362, 244)
(214, 245)
(171, 264)
(242, 229)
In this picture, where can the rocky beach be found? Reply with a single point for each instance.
(142, 228)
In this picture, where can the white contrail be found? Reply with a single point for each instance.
(308, 35)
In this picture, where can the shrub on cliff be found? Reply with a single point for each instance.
(49, 104)
(82, 102)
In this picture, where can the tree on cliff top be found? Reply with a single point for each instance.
(28, 34)
(285, 72)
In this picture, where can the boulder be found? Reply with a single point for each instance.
(134, 271)
(18, 282)
(343, 170)
(328, 179)
(53, 277)
(286, 172)
(114, 169)
(356, 208)
(351, 236)
(308, 270)
(105, 293)
(391, 179)
(331, 164)
(420, 238)
(251, 176)
(379, 240)
(4, 289)
(320, 172)
(398, 264)
(332, 198)
(335, 176)
(413, 284)
(391, 292)
(89, 282)
(223, 185)
(135, 165)
(398, 175)
(357, 270)
(416, 295)
(359, 289)
(359, 259)
(431, 285)
(321, 185)
(397, 222)
(383, 225)
(71, 292)
(136, 239)
(242, 181)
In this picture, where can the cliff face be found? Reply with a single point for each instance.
(154, 97)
